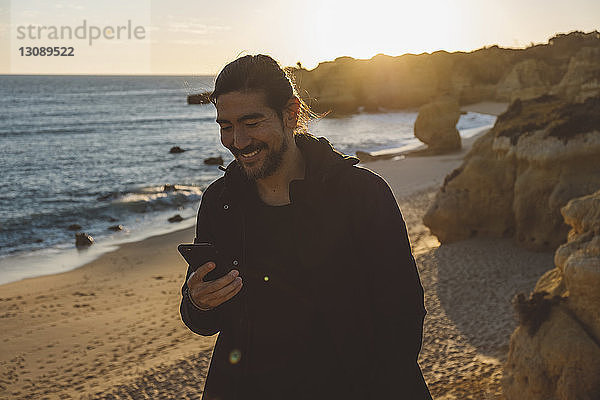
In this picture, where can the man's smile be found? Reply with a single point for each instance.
(251, 154)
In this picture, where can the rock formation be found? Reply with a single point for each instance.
(527, 79)
(83, 240)
(540, 154)
(214, 160)
(199, 98)
(436, 125)
(566, 66)
(555, 351)
(582, 79)
(175, 218)
(176, 150)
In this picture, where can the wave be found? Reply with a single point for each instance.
(47, 225)
(154, 198)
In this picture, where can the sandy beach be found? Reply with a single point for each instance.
(111, 329)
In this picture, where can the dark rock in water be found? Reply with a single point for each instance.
(214, 161)
(116, 228)
(176, 218)
(199, 98)
(82, 239)
(169, 188)
(74, 227)
(176, 150)
(38, 240)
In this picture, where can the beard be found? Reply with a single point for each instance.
(271, 162)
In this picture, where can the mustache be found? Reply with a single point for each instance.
(248, 149)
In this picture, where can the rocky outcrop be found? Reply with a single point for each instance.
(199, 98)
(555, 351)
(540, 154)
(214, 160)
(436, 125)
(582, 79)
(526, 80)
(346, 85)
(175, 218)
(176, 150)
(83, 240)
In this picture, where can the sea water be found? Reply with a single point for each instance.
(94, 151)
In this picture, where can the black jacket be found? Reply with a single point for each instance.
(359, 271)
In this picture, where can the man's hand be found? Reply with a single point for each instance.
(213, 293)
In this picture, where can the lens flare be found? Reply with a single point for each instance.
(235, 356)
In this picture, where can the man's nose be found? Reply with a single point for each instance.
(240, 138)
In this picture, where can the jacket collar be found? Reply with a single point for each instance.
(322, 162)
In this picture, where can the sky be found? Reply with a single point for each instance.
(197, 37)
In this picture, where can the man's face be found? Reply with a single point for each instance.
(253, 132)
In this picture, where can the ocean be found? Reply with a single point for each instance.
(94, 151)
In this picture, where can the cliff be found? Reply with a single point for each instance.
(540, 154)
(567, 66)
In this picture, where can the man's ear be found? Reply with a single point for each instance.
(290, 113)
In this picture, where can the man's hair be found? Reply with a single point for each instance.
(262, 73)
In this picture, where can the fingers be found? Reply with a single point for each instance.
(213, 286)
(215, 298)
(199, 274)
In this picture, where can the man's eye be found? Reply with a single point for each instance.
(252, 124)
(225, 128)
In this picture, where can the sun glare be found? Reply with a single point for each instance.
(362, 29)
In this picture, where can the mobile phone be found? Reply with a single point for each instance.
(197, 254)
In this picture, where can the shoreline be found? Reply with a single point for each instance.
(18, 266)
(490, 108)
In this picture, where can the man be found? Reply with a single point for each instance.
(314, 291)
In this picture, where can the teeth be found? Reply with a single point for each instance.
(255, 152)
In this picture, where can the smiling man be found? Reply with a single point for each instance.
(314, 292)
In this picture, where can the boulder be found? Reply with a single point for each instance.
(540, 154)
(555, 351)
(115, 228)
(169, 188)
(176, 150)
(214, 161)
(176, 218)
(199, 98)
(83, 240)
(436, 125)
